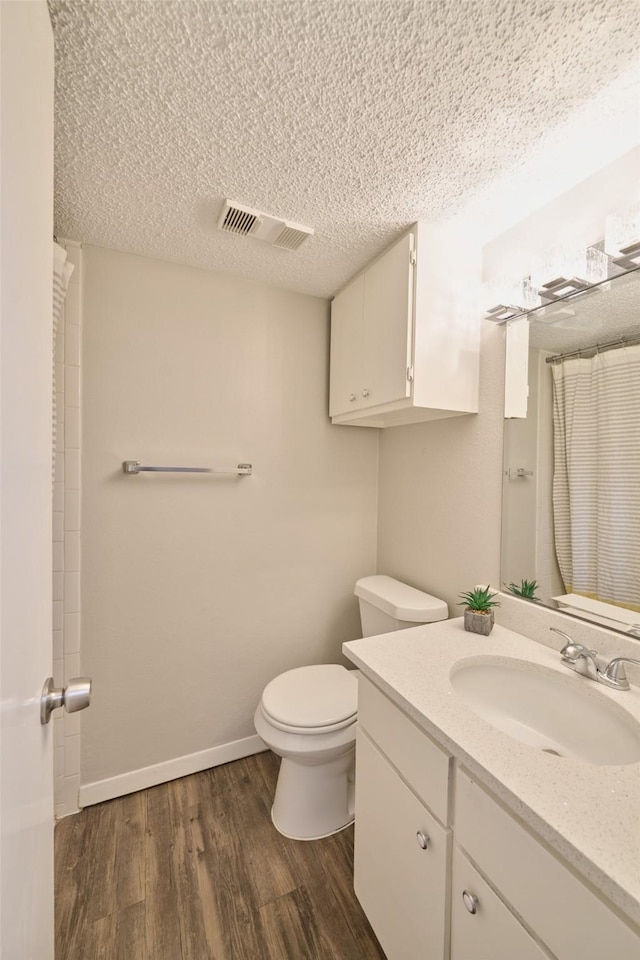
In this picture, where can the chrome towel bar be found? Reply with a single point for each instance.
(134, 466)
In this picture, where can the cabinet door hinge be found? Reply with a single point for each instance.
(412, 258)
(410, 374)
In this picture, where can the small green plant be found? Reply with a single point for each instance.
(526, 589)
(480, 600)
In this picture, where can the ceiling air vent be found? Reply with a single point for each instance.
(237, 219)
(292, 236)
(243, 221)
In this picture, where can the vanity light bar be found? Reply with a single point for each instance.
(630, 258)
(501, 313)
(578, 269)
(563, 289)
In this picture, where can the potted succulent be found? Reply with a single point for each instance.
(525, 589)
(478, 613)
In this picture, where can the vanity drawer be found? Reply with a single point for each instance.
(567, 916)
(492, 932)
(421, 762)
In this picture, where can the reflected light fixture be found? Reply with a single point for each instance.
(622, 237)
(568, 270)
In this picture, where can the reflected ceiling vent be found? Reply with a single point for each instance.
(245, 222)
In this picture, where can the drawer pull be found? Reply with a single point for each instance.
(470, 901)
(365, 393)
(352, 397)
(423, 840)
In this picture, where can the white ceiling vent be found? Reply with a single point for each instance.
(237, 219)
(245, 222)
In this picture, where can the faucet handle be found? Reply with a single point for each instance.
(566, 637)
(572, 651)
(615, 674)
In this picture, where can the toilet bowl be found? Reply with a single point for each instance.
(308, 717)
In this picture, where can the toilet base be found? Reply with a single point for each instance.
(321, 836)
(313, 801)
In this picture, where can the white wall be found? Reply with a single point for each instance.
(198, 590)
(440, 492)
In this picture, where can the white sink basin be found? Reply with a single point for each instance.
(565, 716)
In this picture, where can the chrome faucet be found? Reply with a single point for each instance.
(576, 656)
(579, 658)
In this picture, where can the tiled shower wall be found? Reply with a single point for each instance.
(66, 536)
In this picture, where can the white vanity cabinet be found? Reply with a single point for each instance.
(561, 911)
(483, 886)
(482, 927)
(402, 857)
(404, 344)
(402, 851)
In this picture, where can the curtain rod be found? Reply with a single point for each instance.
(598, 348)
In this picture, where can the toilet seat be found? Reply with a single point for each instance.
(316, 699)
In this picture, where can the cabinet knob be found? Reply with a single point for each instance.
(352, 397)
(365, 392)
(470, 901)
(423, 840)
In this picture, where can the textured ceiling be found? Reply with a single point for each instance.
(356, 117)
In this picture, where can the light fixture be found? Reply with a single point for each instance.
(622, 237)
(568, 270)
(509, 299)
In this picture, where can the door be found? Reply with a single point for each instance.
(346, 387)
(388, 325)
(26, 232)
(482, 928)
(401, 861)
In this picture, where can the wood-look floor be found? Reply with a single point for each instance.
(195, 870)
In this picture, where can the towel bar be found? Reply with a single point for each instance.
(134, 466)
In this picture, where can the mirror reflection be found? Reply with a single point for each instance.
(571, 479)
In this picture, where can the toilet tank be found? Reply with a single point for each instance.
(387, 604)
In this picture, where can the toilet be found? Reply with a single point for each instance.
(308, 715)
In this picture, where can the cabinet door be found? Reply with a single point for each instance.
(401, 886)
(491, 932)
(346, 349)
(388, 325)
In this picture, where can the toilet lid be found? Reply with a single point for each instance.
(317, 696)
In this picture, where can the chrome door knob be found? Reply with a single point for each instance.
(423, 839)
(470, 901)
(75, 696)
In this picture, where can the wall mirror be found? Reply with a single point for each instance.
(571, 473)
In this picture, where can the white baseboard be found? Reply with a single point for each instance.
(169, 770)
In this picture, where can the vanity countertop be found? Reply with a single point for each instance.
(590, 814)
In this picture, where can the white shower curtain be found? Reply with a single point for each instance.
(596, 482)
(61, 275)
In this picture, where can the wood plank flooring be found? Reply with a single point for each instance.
(195, 870)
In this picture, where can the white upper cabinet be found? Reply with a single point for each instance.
(346, 348)
(388, 325)
(405, 334)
